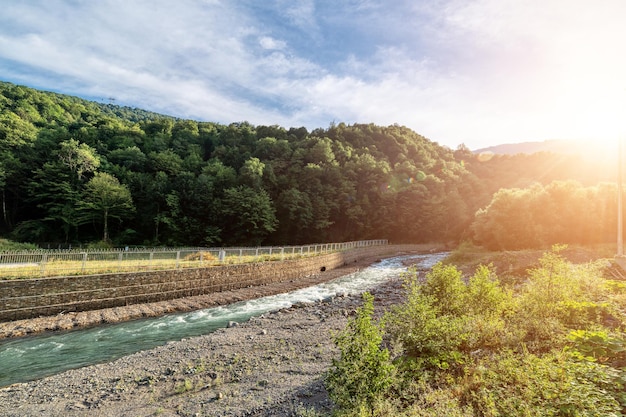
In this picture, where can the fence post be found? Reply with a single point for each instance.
(120, 258)
(222, 256)
(240, 255)
(282, 254)
(84, 264)
(44, 259)
(177, 259)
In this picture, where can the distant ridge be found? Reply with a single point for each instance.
(558, 146)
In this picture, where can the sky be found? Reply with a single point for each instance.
(472, 72)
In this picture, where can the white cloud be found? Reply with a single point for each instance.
(268, 42)
(478, 72)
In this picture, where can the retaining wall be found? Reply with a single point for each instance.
(29, 298)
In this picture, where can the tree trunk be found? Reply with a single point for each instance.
(4, 208)
(105, 237)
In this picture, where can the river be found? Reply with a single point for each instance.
(35, 357)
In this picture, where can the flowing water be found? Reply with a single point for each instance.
(35, 357)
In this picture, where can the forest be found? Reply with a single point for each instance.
(77, 172)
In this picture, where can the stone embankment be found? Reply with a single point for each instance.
(48, 304)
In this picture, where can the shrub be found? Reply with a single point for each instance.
(599, 345)
(428, 325)
(528, 385)
(484, 295)
(555, 347)
(9, 245)
(428, 339)
(583, 314)
(364, 371)
(100, 244)
(446, 289)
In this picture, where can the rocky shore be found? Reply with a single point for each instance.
(272, 365)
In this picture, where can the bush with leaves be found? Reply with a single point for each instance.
(364, 372)
(558, 297)
(443, 318)
(553, 346)
(555, 384)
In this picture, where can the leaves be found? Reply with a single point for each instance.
(104, 195)
(364, 371)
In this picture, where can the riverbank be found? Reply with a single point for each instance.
(73, 320)
(271, 365)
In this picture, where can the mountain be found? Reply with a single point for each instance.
(75, 171)
(557, 146)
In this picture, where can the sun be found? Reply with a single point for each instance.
(597, 117)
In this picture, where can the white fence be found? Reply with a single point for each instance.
(43, 263)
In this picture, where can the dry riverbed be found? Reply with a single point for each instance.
(272, 365)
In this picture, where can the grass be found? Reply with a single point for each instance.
(185, 386)
(54, 265)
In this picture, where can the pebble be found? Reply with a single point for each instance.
(288, 366)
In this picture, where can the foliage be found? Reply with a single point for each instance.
(555, 384)
(345, 182)
(106, 197)
(364, 372)
(7, 245)
(192, 183)
(534, 217)
(469, 346)
(599, 345)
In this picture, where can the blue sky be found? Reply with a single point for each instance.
(478, 72)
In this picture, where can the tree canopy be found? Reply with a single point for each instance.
(74, 171)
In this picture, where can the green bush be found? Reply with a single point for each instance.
(471, 347)
(429, 326)
(364, 372)
(512, 384)
(446, 288)
(583, 314)
(9, 245)
(599, 345)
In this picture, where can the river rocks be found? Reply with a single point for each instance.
(72, 320)
(272, 365)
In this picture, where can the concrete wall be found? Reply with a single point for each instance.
(28, 298)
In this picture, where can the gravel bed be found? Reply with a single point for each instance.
(272, 365)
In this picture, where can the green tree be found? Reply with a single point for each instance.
(248, 215)
(15, 131)
(105, 197)
(295, 211)
(53, 190)
(79, 157)
(251, 173)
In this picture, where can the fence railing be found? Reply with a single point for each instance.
(45, 263)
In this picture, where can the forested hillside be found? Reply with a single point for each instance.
(73, 171)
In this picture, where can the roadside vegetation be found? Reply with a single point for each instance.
(9, 245)
(553, 344)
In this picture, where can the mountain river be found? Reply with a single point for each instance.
(35, 357)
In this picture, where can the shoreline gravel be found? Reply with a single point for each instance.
(272, 365)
